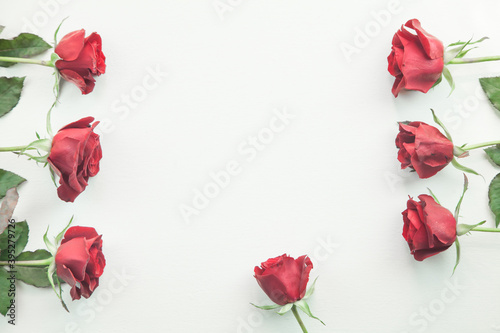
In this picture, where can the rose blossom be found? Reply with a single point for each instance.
(81, 59)
(423, 148)
(284, 279)
(416, 60)
(79, 260)
(428, 228)
(74, 157)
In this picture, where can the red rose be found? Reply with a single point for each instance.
(423, 148)
(283, 278)
(75, 156)
(79, 260)
(81, 58)
(428, 228)
(416, 60)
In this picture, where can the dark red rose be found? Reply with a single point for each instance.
(416, 60)
(75, 156)
(283, 278)
(81, 59)
(79, 260)
(429, 228)
(423, 148)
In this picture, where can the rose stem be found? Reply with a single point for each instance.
(473, 60)
(480, 145)
(296, 314)
(42, 262)
(27, 61)
(486, 229)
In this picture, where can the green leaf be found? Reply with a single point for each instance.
(7, 294)
(285, 308)
(35, 276)
(491, 86)
(13, 240)
(23, 46)
(310, 291)
(457, 245)
(8, 180)
(305, 308)
(494, 196)
(10, 93)
(462, 228)
(267, 307)
(494, 154)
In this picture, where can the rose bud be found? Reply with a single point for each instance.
(429, 228)
(80, 59)
(79, 260)
(416, 60)
(283, 278)
(423, 148)
(75, 156)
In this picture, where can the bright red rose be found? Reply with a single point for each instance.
(283, 278)
(416, 60)
(81, 58)
(79, 260)
(428, 228)
(423, 148)
(74, 157)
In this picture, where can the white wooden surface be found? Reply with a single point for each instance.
(186, 89)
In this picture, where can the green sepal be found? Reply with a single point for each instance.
(302, 304)
(494, 198)
(459, 51)
(449, 78)
(285, 308)
(23, 46)
(463, 168)
(433, 196)
(457, 246)
(15, 240)
(468, 42)
(494, 154)
(9, 180)
(10, 93)
(310, 291)
(459, 152)
(438, 81)
(463, 229)
(57, 31)
(491, 87)
(437, 121)
(61, 234)
(267, 307)
(5, 299)
(51, 247)
(1, 28)
(457, 208)
(50, 276)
